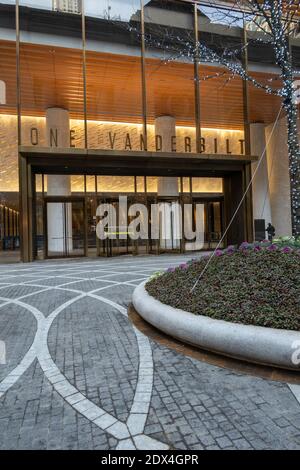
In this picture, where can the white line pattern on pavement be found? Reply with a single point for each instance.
(130, 434)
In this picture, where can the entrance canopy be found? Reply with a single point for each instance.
(81, 161)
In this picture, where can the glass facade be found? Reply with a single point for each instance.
(112, 92)
(51, 76)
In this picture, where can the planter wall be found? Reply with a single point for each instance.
(256, 344)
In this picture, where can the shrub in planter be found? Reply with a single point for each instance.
(291, 242)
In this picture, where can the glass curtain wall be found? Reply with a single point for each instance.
(9, 180)
(263, 107)
(84, 83)
(222, 101)
(113, 75)
(92, 69)
(114, 109)
(169, 77)
(51, 75)
(169, 45)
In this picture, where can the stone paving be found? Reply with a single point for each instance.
(79, 375)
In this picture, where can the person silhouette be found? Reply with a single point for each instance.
(270, 231)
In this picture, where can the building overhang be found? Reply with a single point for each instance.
(88, 161)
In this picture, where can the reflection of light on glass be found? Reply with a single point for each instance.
(68, 6)
(112, 9)
(170, 226)
(207, 185)
(77, 183)
(115, 184)
(152, 184)
(222, 16)
(40, 4)
(2, 92)
(194, 230)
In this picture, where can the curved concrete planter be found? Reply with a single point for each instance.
(257, 344)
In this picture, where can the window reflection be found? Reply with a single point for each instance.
(207, 185)
(115, 184)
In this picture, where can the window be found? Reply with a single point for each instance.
(68, 6)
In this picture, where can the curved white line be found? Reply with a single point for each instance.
(135, 424)
(29, 357)
(134, 427)
(70, 394)
(143, 392)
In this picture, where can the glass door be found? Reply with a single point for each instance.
(114, 223)
(206, 220)
(169, 224)
(214, 223)
(65, 228)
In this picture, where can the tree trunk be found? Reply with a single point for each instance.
(284, 60)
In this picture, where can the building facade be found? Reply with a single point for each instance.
(68, 6)
(114, 101)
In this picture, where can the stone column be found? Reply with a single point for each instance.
(260, 186)
(279, 178)
(58, 136)
(170, 219)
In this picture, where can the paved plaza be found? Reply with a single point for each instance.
(80, 375)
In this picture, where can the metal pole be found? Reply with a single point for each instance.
(246, 93)
(248, 207)
(197, 82)
(22, 167)
(83, 32)
(17, 11)
(143, 72)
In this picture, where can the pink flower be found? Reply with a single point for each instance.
(244, 246)
(287, 249)
(218, 252)
(272, 247)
